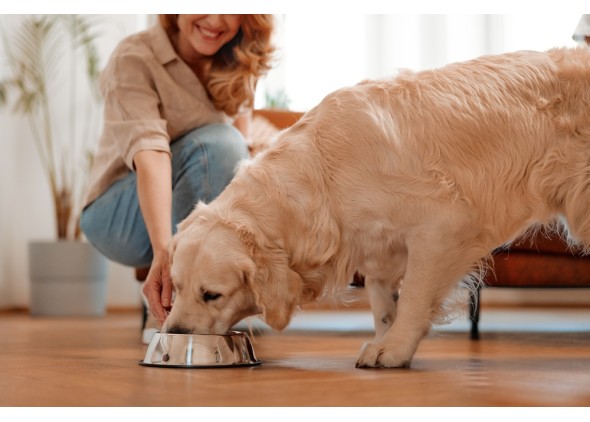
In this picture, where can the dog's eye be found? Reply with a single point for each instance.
(207, 296)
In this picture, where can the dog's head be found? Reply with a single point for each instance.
(222, 274)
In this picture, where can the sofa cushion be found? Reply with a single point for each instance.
(543, 243)
(525, 269)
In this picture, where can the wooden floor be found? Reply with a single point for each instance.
(94, 362)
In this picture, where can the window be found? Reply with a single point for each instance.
(319, 53)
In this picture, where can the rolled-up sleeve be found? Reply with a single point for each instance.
(132, 116)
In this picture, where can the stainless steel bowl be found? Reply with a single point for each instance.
(200, 351)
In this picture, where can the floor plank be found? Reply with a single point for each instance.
(94, 362)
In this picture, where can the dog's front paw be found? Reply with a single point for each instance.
(376, 355)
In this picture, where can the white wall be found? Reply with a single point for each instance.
(323, 52)
(26, 211)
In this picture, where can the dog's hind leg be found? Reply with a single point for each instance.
(437, 260)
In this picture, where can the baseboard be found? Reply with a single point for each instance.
(529, 297)
(356, 299)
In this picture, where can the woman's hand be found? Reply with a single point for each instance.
(158, 286)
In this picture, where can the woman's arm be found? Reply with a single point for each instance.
(154, 189)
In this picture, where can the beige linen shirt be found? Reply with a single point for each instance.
(151, 97)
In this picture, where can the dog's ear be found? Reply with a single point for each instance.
(248, 239)
(277, 288)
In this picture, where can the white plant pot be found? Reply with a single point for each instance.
(68, 278)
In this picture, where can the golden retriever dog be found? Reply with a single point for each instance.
(412, 181)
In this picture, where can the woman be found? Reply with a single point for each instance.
(171, 94)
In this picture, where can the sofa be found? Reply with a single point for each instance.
(541, 261)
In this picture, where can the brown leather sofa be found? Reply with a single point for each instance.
(281, 119)
(543, 261)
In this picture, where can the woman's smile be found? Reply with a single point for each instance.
(209, 34)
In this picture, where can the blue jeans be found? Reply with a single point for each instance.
(203, 164)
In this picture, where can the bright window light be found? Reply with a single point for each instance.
(319, 53)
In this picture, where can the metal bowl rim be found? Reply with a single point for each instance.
(230, 365)
(228, 334)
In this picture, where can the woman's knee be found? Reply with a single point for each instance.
(226, 149)
(223, 144)
(204, 163)
(208, 156)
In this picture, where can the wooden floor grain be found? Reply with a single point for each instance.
(94, 362)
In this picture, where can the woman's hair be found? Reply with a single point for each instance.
(235, 69)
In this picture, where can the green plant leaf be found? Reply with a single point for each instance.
(35, 53)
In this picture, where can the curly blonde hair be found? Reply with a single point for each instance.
(234, 71)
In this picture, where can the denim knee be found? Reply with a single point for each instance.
(203, 163)
(114, 225)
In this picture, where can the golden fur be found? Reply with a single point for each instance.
(416, 178)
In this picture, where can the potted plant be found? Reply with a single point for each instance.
(53, 63)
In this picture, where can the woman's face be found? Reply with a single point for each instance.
(204, 35)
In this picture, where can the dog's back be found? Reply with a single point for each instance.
(479, 134)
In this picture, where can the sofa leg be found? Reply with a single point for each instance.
(474, 313)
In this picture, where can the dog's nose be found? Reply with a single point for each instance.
(177, 329)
